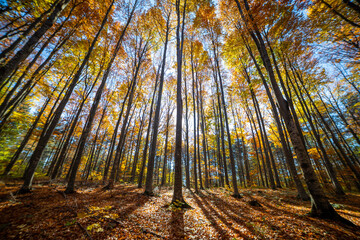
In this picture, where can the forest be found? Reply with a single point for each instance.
(179, 119)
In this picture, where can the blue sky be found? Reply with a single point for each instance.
(3, 3)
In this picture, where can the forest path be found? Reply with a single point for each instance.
(125, 213)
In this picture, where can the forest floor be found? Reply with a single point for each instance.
(125, 213)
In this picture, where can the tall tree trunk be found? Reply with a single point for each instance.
(177, 196)
(163, 178)
(217, 134)
(91, 116)
(187, 160)
(319, 203)
(198, 133)
(25, 51)
(138, 144)
(35, 158)
(153, 143)
(145, 150)
(204, 138)
(231, 153)
(222, 131)
(119, 149)
(195, 126)
(329, 168)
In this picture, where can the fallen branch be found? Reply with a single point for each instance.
(116, 221)
(85, 231)
(110, 219)
(62, 193)
(13, 197)
(152, 233)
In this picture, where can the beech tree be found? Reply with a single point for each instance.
(204, 94)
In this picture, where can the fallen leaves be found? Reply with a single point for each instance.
(125, 213)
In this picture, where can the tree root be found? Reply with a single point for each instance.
(179, 204)
(238, 196)
(254, 203)
(107, 187)
(69, 191)
(152, 233)
(85, 231)
(333, 216)
(62, 193)
(23, 191)
(147, 193)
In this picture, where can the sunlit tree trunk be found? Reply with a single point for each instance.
(223, 103)
(163, 178)
(320, 204)
(187, 160)
(35, 158)
(204, 139)
(145, 150)
(153, 143)
(138, 145)
(89, 122)
(119, 148)
(27, 136)
(218, 151)
(25, 51)
(178, 196)
(195, 159)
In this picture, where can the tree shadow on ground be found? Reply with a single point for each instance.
(268, 218)
(242, 215)
(59, 212)
(177, 224)
(212, 215)
(326, 224)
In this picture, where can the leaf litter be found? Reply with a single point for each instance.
(125, 213)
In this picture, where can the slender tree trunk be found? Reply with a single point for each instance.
(195, 126)
(177, 196)
(153, 143)
(217, 127)
(25, 51)
(222, 131)
(231, 153)
(27, 136)
(320, 204)
(163, 178)
(138, 144)
(121, 143)
(91, 117)
(145, 150)
(35, 158)
(30, 28)
(187, 160)
(204, 139)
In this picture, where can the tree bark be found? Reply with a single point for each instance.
(153, 143)
(35, 158)
(25, 51)
(177, 195)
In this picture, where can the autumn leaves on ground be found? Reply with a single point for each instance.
(244, 98)
(126, 213)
